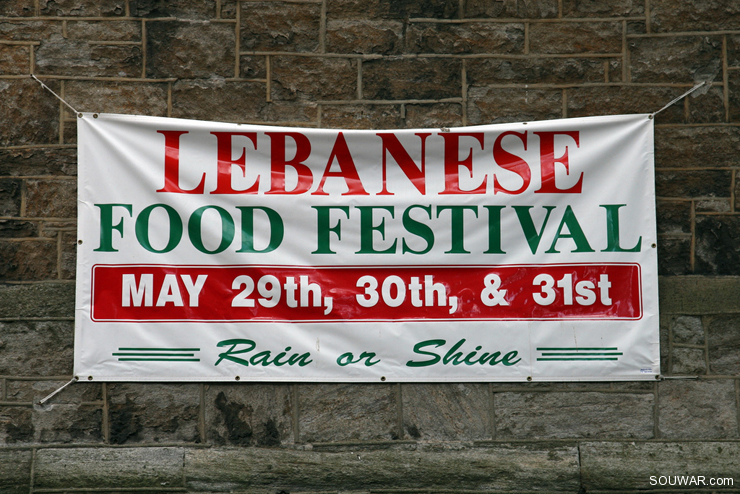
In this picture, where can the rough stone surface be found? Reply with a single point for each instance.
(189, 50)
(280, 26)
(24, 107)
(495, 105)
(433, 115)
(156, 413)
(60, 56)
(118, 97)
(181, 9)
(62, 424)
(615, 100)
(481, 71)
(629, 465)
(575, 37)
(361, 117)
(700, 295)
(28, 260)
(573, 415)
(667, 16)
(313, 78)
(723, 337)
(465, 38)
(696, 147)
(693, 183)
(545, 9)
(10, 197)
(400, 9)
(17, 8)
(16, 338)
(39, 300)
(249, 414)
(348, 412)
(698, 410)
(688, 361)
(420, 78)
(688, 330)
(446, 412)
(51, 198)
(109, 468)
(236, 101)
(28, 392)
(38, 161)
(15, 471)
(674, 217)
(82, 8)
(603, 8)
(675, 59)
(18, 229)
(15, 60)
(718, 245)
(364, 36)
(499, 468)
(16, 425)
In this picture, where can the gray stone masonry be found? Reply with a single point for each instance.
(370, 64)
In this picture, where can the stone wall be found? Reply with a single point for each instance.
(371, 64)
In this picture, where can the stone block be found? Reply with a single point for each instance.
(693, 183)
(673, 217)
(446, 412)
(417, 78)
(64, 424)
(718, 245)
(181, 9)
(15, 471)
(544, 9)
(465, 38)
(82, 8)
(564, 415)
(23, 29)
(399, 9)
(622, 100)
(364, 36)
(603, 8)
(108, 30)
(697, 147)
(38, 161)
(17, 8)
(253, 67)
(68, 256)
(433, 115)
(628, 466)
(51, 198)
(37, 300)
(665, 347)
(516, 468)
(189, 50)
(108, 468)
(575, 37)
(700, 295)
(687, 330)
(482, 71)
(707, 108)
(697, 409)
(699, 15)
(133, 98)
(217, 100)
(28, 260)
(10, 196)
(39, 348)
(249, 414)
(723, 337)
(61, 56)
(16, 425)
(717, 205)
(31, 391)
(675, 59)
(27, 113)
(361, 117)
(688, 361)
(18, 229)
(313, 78)
(15, 59)
(153, 413)
(500, 105)
(348, 412)
(674, 256)
(280, 26)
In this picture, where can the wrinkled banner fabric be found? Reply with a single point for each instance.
(220, 252)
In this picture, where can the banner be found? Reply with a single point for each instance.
(222, 252)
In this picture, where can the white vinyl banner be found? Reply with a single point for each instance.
(221, 252)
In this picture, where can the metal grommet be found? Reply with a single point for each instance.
(95, 115)
(529, 378)
(89, 378)
(237, 378)
(382, 378)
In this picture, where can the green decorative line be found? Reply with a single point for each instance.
(156, 354)
(571, 354)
